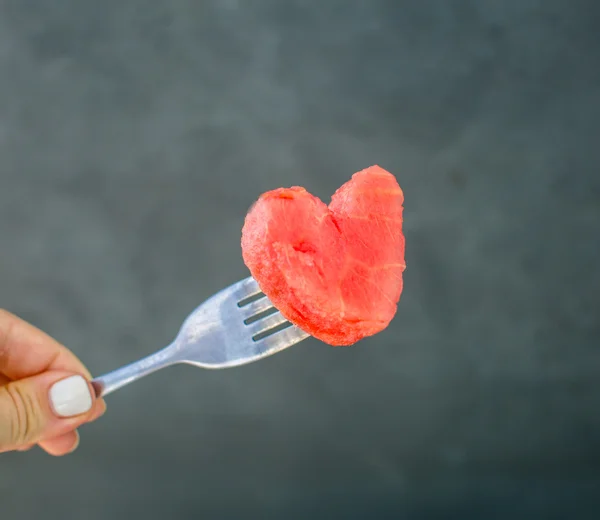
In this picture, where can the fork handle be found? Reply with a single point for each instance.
(108, 383)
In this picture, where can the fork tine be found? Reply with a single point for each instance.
(256, 307)
(284, 338)
(265, 324)
(245, 288)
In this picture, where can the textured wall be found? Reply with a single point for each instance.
(134, 135)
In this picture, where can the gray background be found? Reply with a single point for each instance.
(134, 135)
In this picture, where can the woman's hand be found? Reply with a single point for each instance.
(45, 391)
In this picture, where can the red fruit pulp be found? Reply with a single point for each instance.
(334, 271)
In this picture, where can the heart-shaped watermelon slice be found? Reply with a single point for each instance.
(334, 271)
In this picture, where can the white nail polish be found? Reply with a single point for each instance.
(70, 397)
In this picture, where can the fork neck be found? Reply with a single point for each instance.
(116, 379)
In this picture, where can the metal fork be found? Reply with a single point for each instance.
(229, 329)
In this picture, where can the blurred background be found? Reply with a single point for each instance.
(134, 136)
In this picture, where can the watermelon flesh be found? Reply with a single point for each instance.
(334, 271)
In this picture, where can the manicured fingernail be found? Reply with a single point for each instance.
(99, 412)
(70, 397)
(76, 445)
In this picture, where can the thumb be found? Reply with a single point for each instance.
(43, 407)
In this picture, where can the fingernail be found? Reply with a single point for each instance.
(76, 445)
(100, 411)
(70, 397)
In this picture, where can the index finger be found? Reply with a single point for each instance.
(27, 351)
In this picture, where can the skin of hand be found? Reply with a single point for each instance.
(45, 391)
